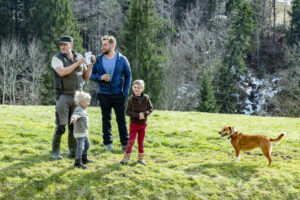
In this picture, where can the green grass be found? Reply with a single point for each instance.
(186, 159)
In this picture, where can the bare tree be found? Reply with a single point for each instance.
(274, 27)
(286, 102)
(21, 71)
(31, 80)
(12, 64)
(97, 18)
(197, 48)
(4, 64)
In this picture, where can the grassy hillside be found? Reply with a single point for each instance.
(186, 159)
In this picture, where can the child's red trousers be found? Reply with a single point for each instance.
(136, 129)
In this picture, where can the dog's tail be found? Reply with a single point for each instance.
(279, 138)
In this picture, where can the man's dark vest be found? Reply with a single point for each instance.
(67, 85)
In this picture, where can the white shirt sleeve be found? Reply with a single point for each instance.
(56, 62)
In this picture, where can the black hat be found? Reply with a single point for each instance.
(66, 39)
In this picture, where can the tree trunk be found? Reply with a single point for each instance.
(274, 27)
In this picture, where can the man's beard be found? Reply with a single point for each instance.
(106, 52)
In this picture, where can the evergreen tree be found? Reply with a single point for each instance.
(230, 5)
(207, 101)
(293, 35)
(233, 61)
(65, 24)
(7, 25)
(226, 92)
(61, 22)
(239, 36)
(143, 45)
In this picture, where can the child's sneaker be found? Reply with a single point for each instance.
(78, 164)
(85, 159)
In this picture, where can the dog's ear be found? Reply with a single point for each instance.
(230, 128)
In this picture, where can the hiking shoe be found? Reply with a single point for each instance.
(109, 147)
(56, 157)
(126, 158)
(123, 162)
(124, 147)
(142, 162)
(141, 158)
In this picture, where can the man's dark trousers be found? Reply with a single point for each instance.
(117, 102)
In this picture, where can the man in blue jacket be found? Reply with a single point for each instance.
(108, 71)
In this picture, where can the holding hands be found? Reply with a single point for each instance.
(142, 116)
(81, 61)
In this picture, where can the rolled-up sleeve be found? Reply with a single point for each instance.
(56, 62)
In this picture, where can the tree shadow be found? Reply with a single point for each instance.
(82, 185)
(28, 189)
(227, 169)
(28, 162)
(97, 152)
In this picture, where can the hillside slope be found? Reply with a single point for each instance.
(186, 159)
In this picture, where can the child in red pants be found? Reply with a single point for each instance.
(138, 108)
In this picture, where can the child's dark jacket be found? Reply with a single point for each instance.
(135, 107)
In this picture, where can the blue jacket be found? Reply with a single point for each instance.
(116, 85)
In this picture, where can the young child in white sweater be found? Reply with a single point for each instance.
(81, 126)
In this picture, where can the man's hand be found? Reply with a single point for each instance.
(73, 120)
(142, 116)
(93, 58)
(81, 61)
(105, 77)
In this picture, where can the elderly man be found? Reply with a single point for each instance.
(70, 71)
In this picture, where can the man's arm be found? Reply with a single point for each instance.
(95, 75)
(127, 74)
(64, 71)
(87, 73)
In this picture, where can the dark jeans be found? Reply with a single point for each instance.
(117, 102)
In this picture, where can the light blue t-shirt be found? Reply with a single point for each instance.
(109, 64)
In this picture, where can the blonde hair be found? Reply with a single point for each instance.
(81, 97)
(111, 39)
(139, 82)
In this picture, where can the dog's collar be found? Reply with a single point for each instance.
(232, 133)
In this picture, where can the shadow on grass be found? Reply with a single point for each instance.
(84, 183)
(29, 189)
(103, 150)
(227, 169)
(32, 185)
(27, 162)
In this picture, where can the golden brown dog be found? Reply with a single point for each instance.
(243, 142)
